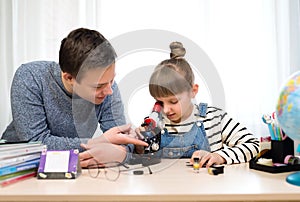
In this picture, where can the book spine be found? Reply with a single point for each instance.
(18, 160)
(17, 174)
(20, 167)
(6, 147)
(22, 151)
(17, 179)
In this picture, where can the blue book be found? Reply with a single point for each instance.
(13, 175)
(19, 167)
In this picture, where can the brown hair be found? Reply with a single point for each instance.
(83, 49)
(172, 76)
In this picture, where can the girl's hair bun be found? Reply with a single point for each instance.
(177, 50)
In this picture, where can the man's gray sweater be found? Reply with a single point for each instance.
(44, 111)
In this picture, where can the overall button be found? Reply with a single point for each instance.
(199, 123)
(170, 153)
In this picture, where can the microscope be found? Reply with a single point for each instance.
(153, 129)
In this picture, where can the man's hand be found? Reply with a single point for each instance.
(104, 152)
(110, 145)
(208, 158)
(139, 148)
(117, 135)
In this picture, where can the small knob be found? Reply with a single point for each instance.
(155, 147)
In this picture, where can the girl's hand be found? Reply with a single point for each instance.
(207, 158)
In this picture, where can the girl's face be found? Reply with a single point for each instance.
(179, 107)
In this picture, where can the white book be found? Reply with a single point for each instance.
(13, 146)
(21, 150)
(19, 159)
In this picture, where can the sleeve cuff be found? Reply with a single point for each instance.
(129, 151)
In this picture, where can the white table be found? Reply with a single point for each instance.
(172, 180)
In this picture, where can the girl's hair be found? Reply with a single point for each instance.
(172, 76)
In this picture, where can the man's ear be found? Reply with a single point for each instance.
(68, 81)
(195, 90)
(68, 78)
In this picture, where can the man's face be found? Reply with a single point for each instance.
(96, 84)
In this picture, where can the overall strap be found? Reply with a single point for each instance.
(202, 109)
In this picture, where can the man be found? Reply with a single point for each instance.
(62, 104)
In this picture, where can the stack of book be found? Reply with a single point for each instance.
(19, 161)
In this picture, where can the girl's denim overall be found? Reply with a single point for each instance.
(183, 146)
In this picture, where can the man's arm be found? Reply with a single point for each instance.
(29, 114)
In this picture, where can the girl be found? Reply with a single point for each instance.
(191, 130)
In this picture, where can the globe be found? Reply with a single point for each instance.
(288, 107)
(288, 114)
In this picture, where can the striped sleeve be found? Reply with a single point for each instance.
(229, 138)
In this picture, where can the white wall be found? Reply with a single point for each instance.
(252, 43)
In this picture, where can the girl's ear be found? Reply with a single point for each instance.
(195, 90)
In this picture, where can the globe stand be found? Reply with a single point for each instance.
(294, 178)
